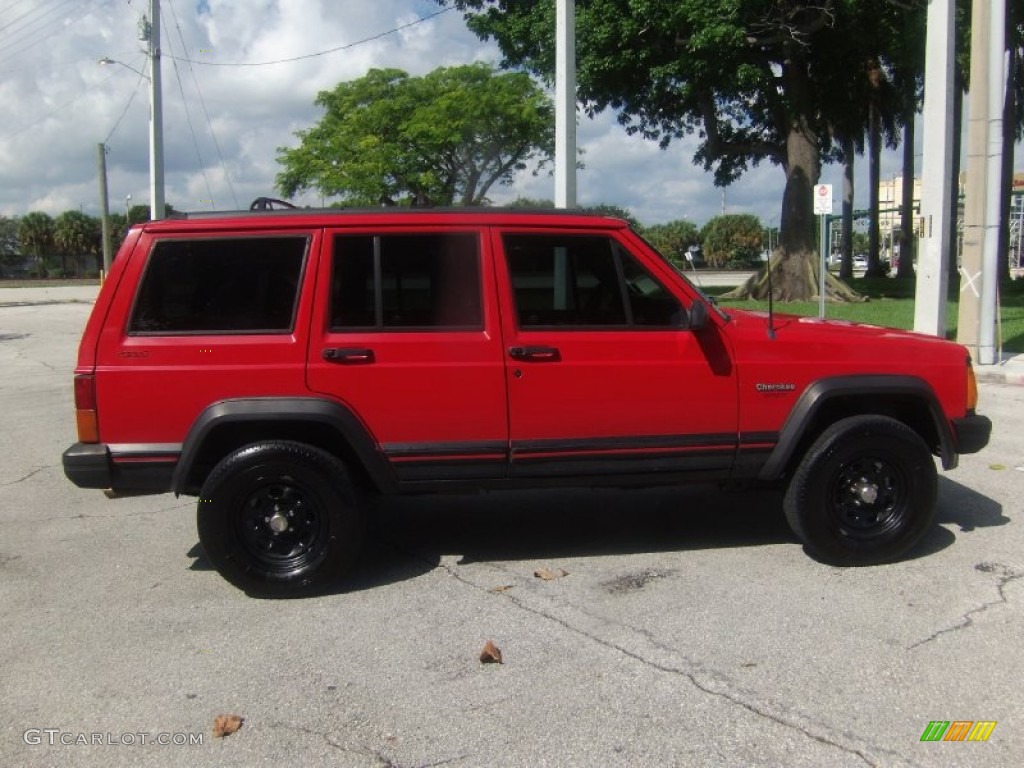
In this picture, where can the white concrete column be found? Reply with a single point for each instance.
(565, 105)
(936, 172)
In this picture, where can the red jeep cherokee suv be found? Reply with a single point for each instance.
(282, 365)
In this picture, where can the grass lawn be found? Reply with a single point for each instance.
(891, 304)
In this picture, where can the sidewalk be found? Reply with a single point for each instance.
(59, 294)
(1009, 371)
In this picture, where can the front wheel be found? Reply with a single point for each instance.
(864, 493)
(280, 519)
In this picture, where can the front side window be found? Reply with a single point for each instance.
(406, 282)
(220, 286)
(584, 281)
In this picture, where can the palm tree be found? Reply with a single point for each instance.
(76, 235)
(35, 230)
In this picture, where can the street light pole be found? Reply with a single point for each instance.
(156, 117)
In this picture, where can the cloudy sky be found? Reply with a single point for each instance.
(231, 99)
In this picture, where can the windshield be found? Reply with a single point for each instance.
(709, 300)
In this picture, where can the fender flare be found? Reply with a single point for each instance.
(335, 416)
(824, 391)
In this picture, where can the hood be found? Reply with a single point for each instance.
(820, 339)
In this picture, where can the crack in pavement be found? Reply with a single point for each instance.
(26, 477)
(21, 354)
(1006, 575)
(707, 680)
(362, 751)
(83, 516)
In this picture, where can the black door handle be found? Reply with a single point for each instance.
(348, 355)
(535, 354)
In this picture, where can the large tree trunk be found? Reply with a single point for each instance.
(907, 236)
(795, 264)
(874, 182)
(846, 264)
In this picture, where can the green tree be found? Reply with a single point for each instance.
(673, 239)
(755, 80)
(76, 236)
(732, 240)
(442, 139)
(35, 231)
(10, 248)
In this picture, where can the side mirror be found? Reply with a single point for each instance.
(698, 316)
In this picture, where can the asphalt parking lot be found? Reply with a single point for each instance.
(689, 627)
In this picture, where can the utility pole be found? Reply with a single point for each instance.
(150, 32)
(104, 206)
(978, 271)
(565, 104)
(997, 76)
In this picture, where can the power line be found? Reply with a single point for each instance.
(125, 111)
(54, 111)
(21, 44)
(318, 53)
(188, 120)
(206, 114)
(42, 14)
(12, 6)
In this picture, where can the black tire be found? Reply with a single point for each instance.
(864, 493)
(280, 519)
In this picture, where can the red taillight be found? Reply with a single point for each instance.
(85, 409)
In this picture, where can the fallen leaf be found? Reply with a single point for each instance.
(997, 466)
(491, 654)
(225, 725)
(501, 588)
(548, 575)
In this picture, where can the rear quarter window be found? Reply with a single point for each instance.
(220, 286)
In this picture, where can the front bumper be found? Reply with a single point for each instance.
(972, 433)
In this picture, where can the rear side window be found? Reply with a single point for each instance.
(585, 281)
(220, 286)
(406, 282)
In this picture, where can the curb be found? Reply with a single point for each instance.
(1000, 374)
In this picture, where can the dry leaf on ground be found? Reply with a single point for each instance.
(491, 654)
(548, 575)
(225, 725)
(501, 588)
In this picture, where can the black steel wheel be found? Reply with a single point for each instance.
(864, 493)
(280, 518)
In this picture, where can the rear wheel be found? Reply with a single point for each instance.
(280, 518)
(864, 493)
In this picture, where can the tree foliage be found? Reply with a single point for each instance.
(732, 240)
(76, 235)
(35, 231)
(754, 80)
(9, 246)
(442, 139)
(673, 239)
